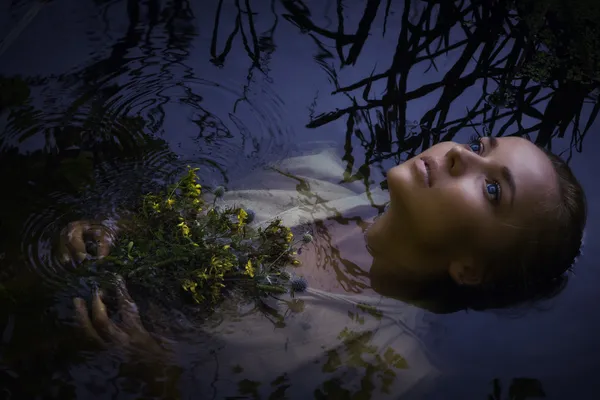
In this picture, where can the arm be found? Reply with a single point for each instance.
(150, 358)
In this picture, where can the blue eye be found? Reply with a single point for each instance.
(493, 191)
(475, 144)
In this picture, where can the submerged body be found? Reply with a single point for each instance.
(340, 329)
(340, 336)
(452, 209)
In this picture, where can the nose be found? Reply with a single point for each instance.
(461, 160)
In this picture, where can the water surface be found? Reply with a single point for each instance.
(111, 98)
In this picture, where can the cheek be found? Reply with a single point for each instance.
(454, 213)
(450, 215)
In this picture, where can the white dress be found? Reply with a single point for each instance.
(333, 348)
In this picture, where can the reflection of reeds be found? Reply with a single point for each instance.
(95, 110)
(219, 58)
(350, 276)
(257, 46)
(494, 44)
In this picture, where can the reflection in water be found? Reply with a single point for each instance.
(137, 111)
(147, 76)
(356, 345)
(112, 133)
(519, 389)
(491, 52)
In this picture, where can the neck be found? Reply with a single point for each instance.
(397, 252)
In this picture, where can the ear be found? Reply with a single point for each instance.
(465, 272)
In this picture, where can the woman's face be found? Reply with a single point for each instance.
(460, 199)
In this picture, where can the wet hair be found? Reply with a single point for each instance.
(538, 267)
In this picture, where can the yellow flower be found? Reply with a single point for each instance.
(289, 236)
(226, 247)
(249, 269)
(185, 230)
(295, 262)
(221, 264)
(170, 202)
(189, 286)
(242, 215)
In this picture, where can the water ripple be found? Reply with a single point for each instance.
(40, 230)
(131, 132)
(200, 121)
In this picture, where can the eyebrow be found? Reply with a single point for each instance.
(506, 173)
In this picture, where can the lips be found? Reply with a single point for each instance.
(427, 173)
(428, 166)
(421, 171)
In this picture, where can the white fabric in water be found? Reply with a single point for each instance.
(336, 344)
(302, 189)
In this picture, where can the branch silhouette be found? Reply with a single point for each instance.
(496, 50)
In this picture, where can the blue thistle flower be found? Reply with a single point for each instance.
(219, 191)
(251, 216)
(307, 238)
(299, 284)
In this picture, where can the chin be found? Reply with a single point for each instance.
(400, 183)
(378, 234)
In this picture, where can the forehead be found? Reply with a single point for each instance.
(534, 175)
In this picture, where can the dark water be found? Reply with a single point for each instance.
(112, 97)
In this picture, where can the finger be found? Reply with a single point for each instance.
(104, 249)
(67, 249)
(130, 316)
(104, 237)
(104, 325)
(128, 309)
(83, 319)
(75, 232)
(73, 241)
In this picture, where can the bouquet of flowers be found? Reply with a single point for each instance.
(180, 246)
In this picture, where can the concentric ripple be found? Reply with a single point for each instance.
(113, 189)
(129, 133)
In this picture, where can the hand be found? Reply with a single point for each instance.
(130, 334)
(80, 240)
